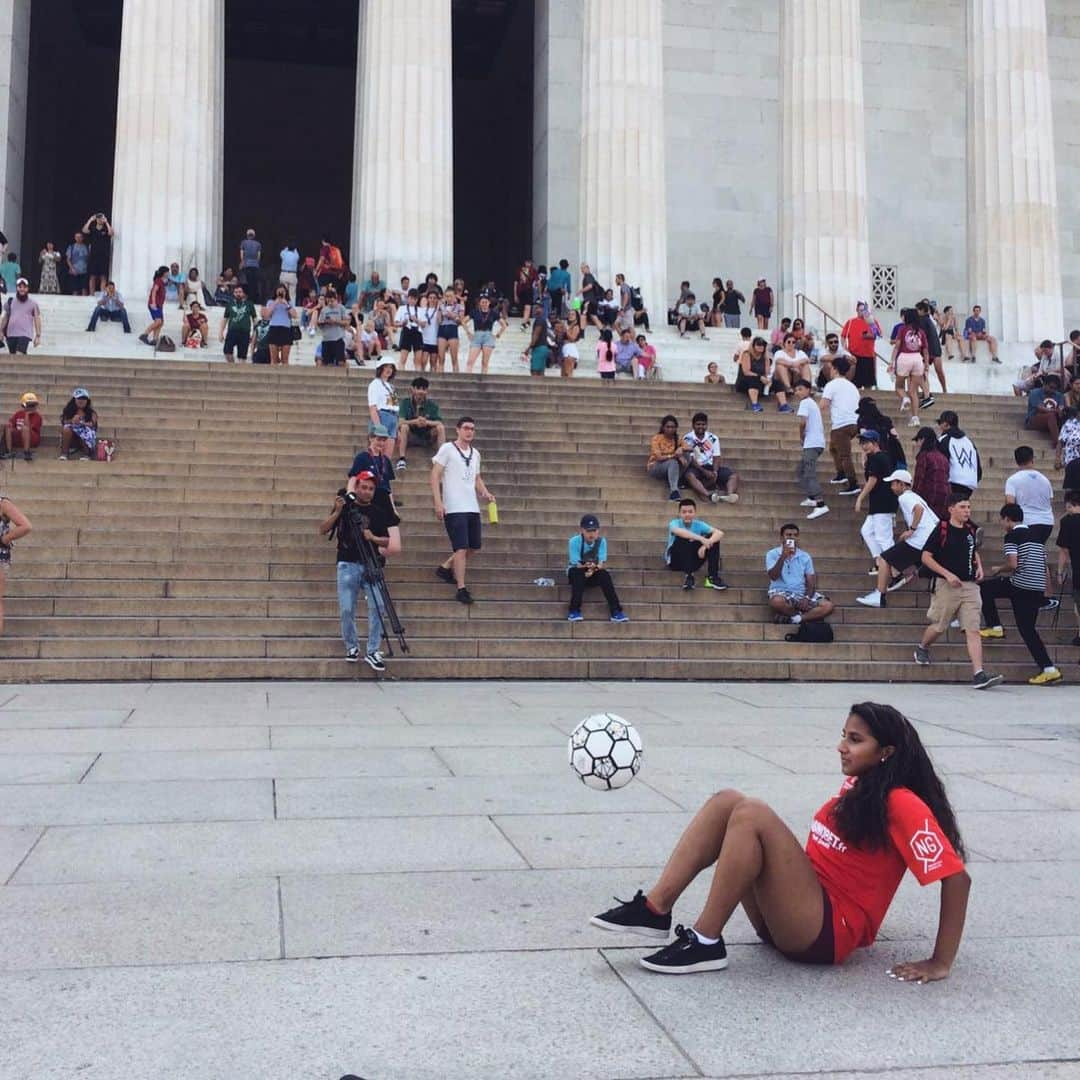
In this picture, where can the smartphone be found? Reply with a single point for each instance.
(789, 543)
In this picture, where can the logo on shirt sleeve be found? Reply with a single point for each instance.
(927, 847)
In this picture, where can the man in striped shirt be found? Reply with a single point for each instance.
(1022, 579)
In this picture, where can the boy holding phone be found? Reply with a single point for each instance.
(587, 553)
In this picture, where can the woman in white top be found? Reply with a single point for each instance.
(790, 364)
(429, 330)
(451, 316)
(568, 353)
(410, 337)
(191, 290)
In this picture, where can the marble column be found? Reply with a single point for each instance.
(622, 189)
(14, 69)
(170, 154)
(824, 232)
(403, 170)
(1014, 254)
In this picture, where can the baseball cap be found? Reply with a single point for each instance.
(378, 430)
(899, 474)
(29, 398)
(367, 474)
(80, 392)
(869, 435)
(590, 521)
(22, 281)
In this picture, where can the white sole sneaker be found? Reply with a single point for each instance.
(818, 511)
(640, 931)
(869, 600)
(808, 502)
(685, 969)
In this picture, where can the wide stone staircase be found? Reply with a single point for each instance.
(195, 553)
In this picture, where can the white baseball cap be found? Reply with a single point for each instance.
(899, 474)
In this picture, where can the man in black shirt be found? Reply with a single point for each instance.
(877, 496)
(376, 525)
(1068, 544)
(1021, 578)
(951, 555)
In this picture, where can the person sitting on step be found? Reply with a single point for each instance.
(706, 474)
(419, 421)
(78, 426)
(587, 568)
(23, 429)
(793, 593)
(756, 377)
(667, 459)
(693, 543)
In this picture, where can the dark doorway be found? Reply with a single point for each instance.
(70, 120)
(290, 102)
(493, 130)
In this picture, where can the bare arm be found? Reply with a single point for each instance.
(954, 898)
(20, 523)
(436, 489)
(335, 513)
(481, 489)
(394, 546)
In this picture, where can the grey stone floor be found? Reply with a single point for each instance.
(293, 881)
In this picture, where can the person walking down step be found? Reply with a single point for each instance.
(812, 441)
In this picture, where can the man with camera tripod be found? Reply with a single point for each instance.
(376, 525)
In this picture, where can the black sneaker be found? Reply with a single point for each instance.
(634, 917)
(688, 582)
(983, 681)
(374, 661)
(352, 655)
(1050, 603)
(28, 455)
(839, 478)
(715, 583)
(464, 597)
(926, 402)
(445, 575)
(851, 490)
(686, 954)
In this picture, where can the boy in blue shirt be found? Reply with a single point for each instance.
(587, 553)
(691, 544)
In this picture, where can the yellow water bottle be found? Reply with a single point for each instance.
(493, 513)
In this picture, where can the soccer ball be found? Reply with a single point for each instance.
(605, 751)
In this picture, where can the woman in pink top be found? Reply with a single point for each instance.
(647, 358)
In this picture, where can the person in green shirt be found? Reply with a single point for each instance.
(10, 271)
(236, 324)
(419, 417)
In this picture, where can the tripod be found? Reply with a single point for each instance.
(356, 522)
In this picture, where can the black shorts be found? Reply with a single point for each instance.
(424, 436)
(464, 531)
(1040, 533)
(431, 350)
(607, 374)
(903, 555)
(448, 332)
(411, 339)
(823, 949)
(237, 341)
(279, 335)
(333, 353)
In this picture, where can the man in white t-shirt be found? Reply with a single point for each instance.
(456, 485)
(812, 440)
(1034, 494)
(905, 556)
(706, 473)
(840, 402)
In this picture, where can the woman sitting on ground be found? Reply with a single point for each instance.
(646, 362)
(13, 526)
(195, 328)
(667, 458)
(818, 904)
(191, 291)
(226, 282)
(78, 426)
(713, 376)
(1046, 404)
(756, 373)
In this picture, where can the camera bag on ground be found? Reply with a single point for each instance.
(816, 632)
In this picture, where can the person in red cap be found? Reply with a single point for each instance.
(23, 429)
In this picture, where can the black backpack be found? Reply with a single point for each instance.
(817, 632)
(636, 301)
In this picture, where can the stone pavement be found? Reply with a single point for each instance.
(294, 880)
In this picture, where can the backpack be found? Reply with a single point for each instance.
(817, 632)
(105, 450)
(636, 301)
(166, 344)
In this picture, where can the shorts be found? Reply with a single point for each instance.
(237, 341)
(823, 948)
(483, 339)
(18, 344)
(279, 335)
(431, 349)
(948, 603)
(449, 332)
(463, 530)
(410, 340)
(389, 419)
(903, 555)
(288, 279)
(156, 313)
(794, 599)
(15, 439)
(538, 360)
(78, 282)
(333, 353)
(1040, 533)
(425, 436)
(910, 364)
(607, 374)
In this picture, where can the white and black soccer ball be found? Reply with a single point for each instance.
(605, 751)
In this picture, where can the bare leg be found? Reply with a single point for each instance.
(485, 359)
(454, 346)
(66, 435)
(474, 352)
(285, 350)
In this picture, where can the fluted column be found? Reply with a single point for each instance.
(14, 69)
(1014, 257)
(824, 234)
(170, 122)
(623, 194)
(403, 171)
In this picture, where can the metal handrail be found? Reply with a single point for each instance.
(801, 302)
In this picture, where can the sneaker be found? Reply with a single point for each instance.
(688, 582)
(992, 632)
(914, 421)
(854, 490)
(926, 402)
(463, 596)
(63, 457)
(784, 408)
(732, 498)
(311, 331)
(757, 407)
(635, 917)
(714, 497)
(839, 478)
(402, 465)
(983, 681)
(1045, 677)
(575, 616)
(905, 403)
(808, 502)
(445, 575)
(955, 624)
(374, 661)
(872, 572)
(818, 511)
(686, 954)
(995, 359)
(673, 496)
(717, 583)
(871, 599)
(1051, 603)
(922, 656)
(145, 340)
(898, 582)
(28, 455)
(352, 655)
(4, 455)
(619, 616)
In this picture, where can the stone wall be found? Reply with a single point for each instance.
(14, 65)
(1063, 24)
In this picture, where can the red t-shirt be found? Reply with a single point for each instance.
(157, 294)
(20, 417)
(853, 333)
(861, 883)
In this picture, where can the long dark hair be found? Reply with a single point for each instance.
(674, 420)
(71, 408)
(927, 439)
(862, 813)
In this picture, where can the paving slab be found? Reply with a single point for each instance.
(1024, 836)
(950, 759)
(261, 848)
(136, 802)
(138, 923)
(1053, 789)
(1015, 1070)
(338, 736)
(389, 1018)
(15, 844)
(764, 1014)
(44, 768)
(97, 739)
(255, 764)
(11, 717)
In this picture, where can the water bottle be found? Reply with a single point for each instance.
(493, 513)
(545, 582)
